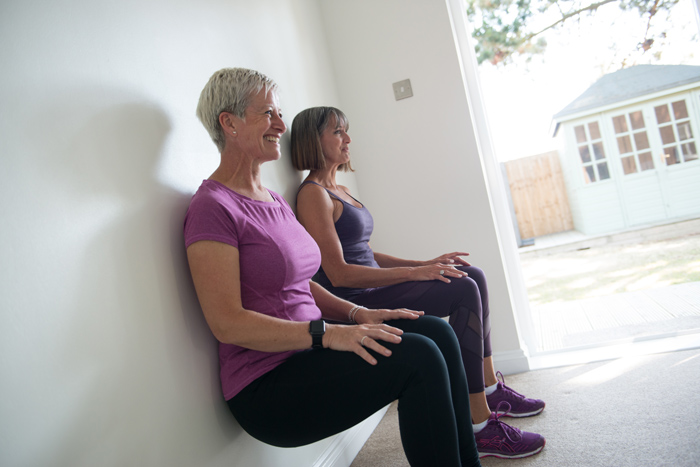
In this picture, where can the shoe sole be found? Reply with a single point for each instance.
(512, 456)
(520, 415)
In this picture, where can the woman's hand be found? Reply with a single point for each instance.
(368, 316)
(436, 271)
(361, 337)
(451, 258)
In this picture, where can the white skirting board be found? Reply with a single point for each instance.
(346, 445)
(511, 362)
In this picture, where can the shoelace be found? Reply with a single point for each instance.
(502, 379)
(507, 429)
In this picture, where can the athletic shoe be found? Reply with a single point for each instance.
(504, 441)
(521, 406)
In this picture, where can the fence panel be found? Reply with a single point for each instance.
(539, 195)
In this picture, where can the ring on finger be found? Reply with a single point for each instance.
(362, 341)
(442, 272)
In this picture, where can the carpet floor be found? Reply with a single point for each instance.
(634, 411)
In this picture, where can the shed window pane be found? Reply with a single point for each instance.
(662, 115)
(603, 173)
(585, 154)
(620, 124)
(624, 144)
(598, 151)
(580, 134)
(690, 153)
(671, 155)
(667, 136)
(641, 141)
(594, 130)
(629, 165)
(684, 131)
(588, 174)
(680, 110)
(646, 161)
(637, 120)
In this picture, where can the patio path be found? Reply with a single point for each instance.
(632, 316)
(659, 312)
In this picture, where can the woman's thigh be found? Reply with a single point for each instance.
(435, 298)
(318, 393)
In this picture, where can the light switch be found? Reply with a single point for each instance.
(402, 89)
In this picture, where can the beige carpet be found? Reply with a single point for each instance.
(634, 411)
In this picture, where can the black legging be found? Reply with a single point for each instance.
(319, 393)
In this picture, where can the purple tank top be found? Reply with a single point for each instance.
(354, 228)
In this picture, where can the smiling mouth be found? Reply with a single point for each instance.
(272, 139)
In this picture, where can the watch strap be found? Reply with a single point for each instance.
(317, 329)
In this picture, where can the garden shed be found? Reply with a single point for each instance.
(630, 155)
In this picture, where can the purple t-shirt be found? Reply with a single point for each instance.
(277, 259)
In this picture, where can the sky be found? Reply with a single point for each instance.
(521, 98)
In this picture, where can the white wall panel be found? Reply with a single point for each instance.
(106, 358)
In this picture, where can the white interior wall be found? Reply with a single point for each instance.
(417, 160)
(106, 358)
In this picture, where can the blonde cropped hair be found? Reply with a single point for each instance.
(307, 152)
(229, 90)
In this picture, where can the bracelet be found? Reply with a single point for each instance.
(353, 312)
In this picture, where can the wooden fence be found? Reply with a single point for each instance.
(539, 195)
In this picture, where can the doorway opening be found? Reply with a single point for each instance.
(629, 169)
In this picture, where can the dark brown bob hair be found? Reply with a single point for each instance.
(307, 153)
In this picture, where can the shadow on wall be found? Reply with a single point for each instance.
(137, 362)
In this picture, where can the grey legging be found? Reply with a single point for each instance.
(464, 300)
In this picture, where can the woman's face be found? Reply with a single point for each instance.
(335, 142)
(259, 134)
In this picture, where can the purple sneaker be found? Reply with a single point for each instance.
(520, 406)
(504, 441)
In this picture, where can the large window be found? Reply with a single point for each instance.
(633, 143)
(676, 133)
(591, 152)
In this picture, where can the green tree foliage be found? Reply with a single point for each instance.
(503, 28)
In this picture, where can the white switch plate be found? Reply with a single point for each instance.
(402, 89)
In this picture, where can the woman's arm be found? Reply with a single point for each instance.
(216, 275)
(315, 212)
(337, 309)
(387, 261)
(341, 337)
(454, 258)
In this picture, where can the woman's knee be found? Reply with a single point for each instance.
(434, 326)
(476, 274)
(436, 330)
(421, 363)
(416, 347)
(466, 296)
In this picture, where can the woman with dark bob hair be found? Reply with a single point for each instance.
(289, 378)
(444, 286)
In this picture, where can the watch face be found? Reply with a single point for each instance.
(317, 327)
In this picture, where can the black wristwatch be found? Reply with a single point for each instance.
(317, 329)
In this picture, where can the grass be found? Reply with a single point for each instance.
(611, 269)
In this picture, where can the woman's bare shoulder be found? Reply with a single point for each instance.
(313, 194)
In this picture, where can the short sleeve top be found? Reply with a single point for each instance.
(277, 259)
